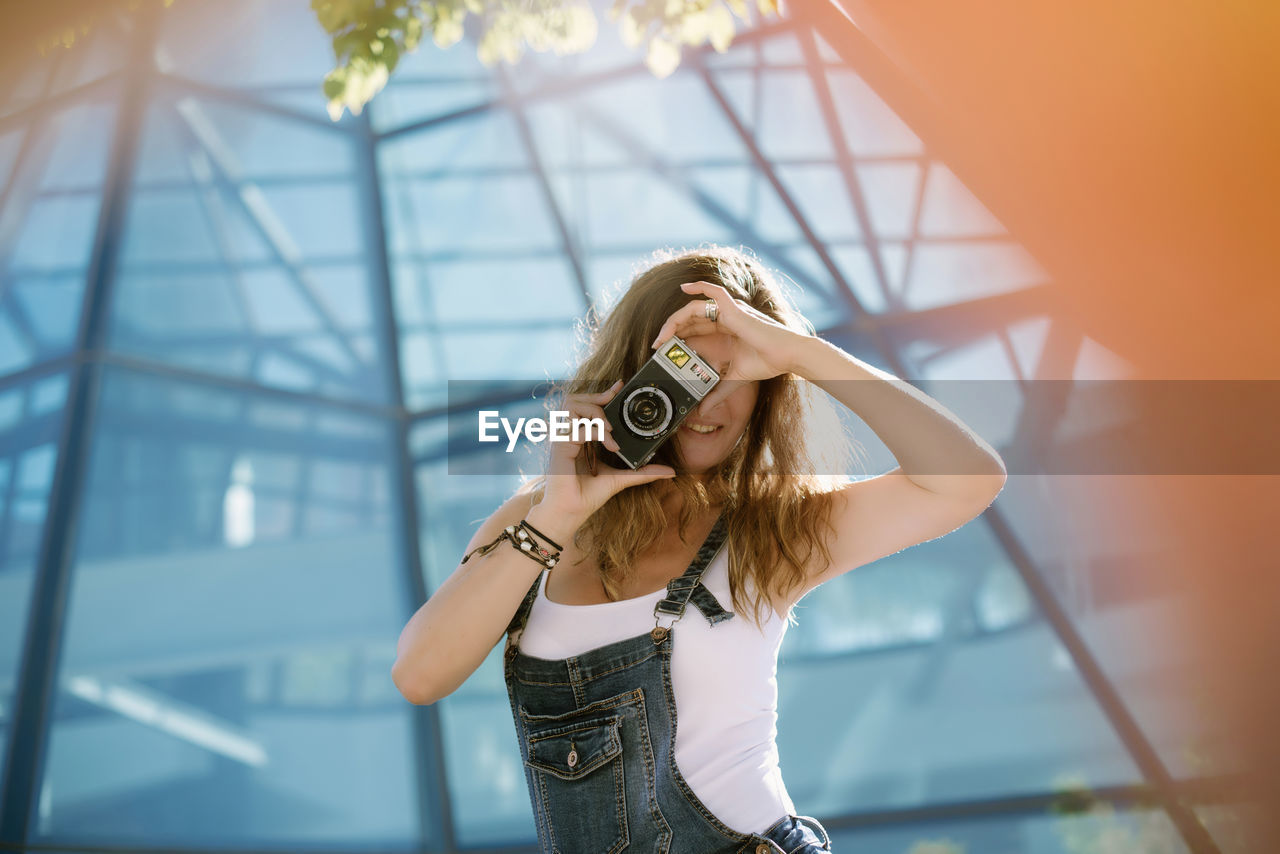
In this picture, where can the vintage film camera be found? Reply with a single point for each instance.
(652, 404)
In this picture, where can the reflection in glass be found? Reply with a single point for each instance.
(236, 598)
(30, 423)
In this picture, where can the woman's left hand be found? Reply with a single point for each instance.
(763, 347)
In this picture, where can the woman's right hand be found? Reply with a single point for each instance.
(570, 489)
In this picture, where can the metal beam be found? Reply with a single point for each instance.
(434, 800)
(34, 697)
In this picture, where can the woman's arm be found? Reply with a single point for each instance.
(452, 633)
(946, 476)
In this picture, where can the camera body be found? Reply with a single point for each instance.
(654, 403)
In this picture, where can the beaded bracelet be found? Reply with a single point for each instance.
(521, 537)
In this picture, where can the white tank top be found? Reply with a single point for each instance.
(725, 684)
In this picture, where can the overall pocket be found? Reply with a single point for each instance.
(575, 763)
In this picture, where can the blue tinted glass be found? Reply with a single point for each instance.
(482, 757)
(1103, 828)
(237, 592)
(58, 164)
(244, 253)
(1109, 566)
(780, 109)
(486, 778)
(97, 48)
(275, 51)
(940, 682)
(30, 425)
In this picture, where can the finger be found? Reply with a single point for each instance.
(715, 292)
(580, 408)
(678, 319)
(589, 431)
(583, 408)
(690, 320)
(699, 325)
(607, 394)
(727, 306)
(564, 458)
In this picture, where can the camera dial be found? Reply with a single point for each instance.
(647, 411)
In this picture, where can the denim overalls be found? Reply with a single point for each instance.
(597, 735)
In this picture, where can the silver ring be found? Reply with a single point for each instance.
(711, 310)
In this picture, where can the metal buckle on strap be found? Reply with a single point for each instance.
(670, 608)
(660, 632)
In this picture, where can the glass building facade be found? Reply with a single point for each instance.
(227, 326)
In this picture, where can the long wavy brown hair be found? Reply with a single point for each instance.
(774, 498)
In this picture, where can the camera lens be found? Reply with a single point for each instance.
(647, 411)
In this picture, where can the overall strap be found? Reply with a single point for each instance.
(689, 587)
(516, 626)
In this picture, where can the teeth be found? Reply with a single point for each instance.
(701, 429)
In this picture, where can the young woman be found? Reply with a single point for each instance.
(675, 582)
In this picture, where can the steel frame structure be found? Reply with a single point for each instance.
(140, 81)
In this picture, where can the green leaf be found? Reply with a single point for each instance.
(663, 57)
(629, 29)
(720, 23)
(335, 82)
(695, 28)
(448, 32)
(581, 30)
(412, 33)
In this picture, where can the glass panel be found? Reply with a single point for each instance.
(237, 592)
(1103, 830)
(819, 191)
(948, 272)
(1235, 827)
(950, 210)
(432, 82)
(486, 778)
(870, 127)
(745, 201)
(657, 212)
(780, 110)
(30, 426)
(241, 259)
(811, 287)
(939, 681)
(889, 191)
(675, 120)
(30, 78)
(57, 169)
(1099, 541)
(1104, 548)
(238, 43)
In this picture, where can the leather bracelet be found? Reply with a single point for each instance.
(522, 539)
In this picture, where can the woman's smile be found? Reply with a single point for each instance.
(698, 428)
